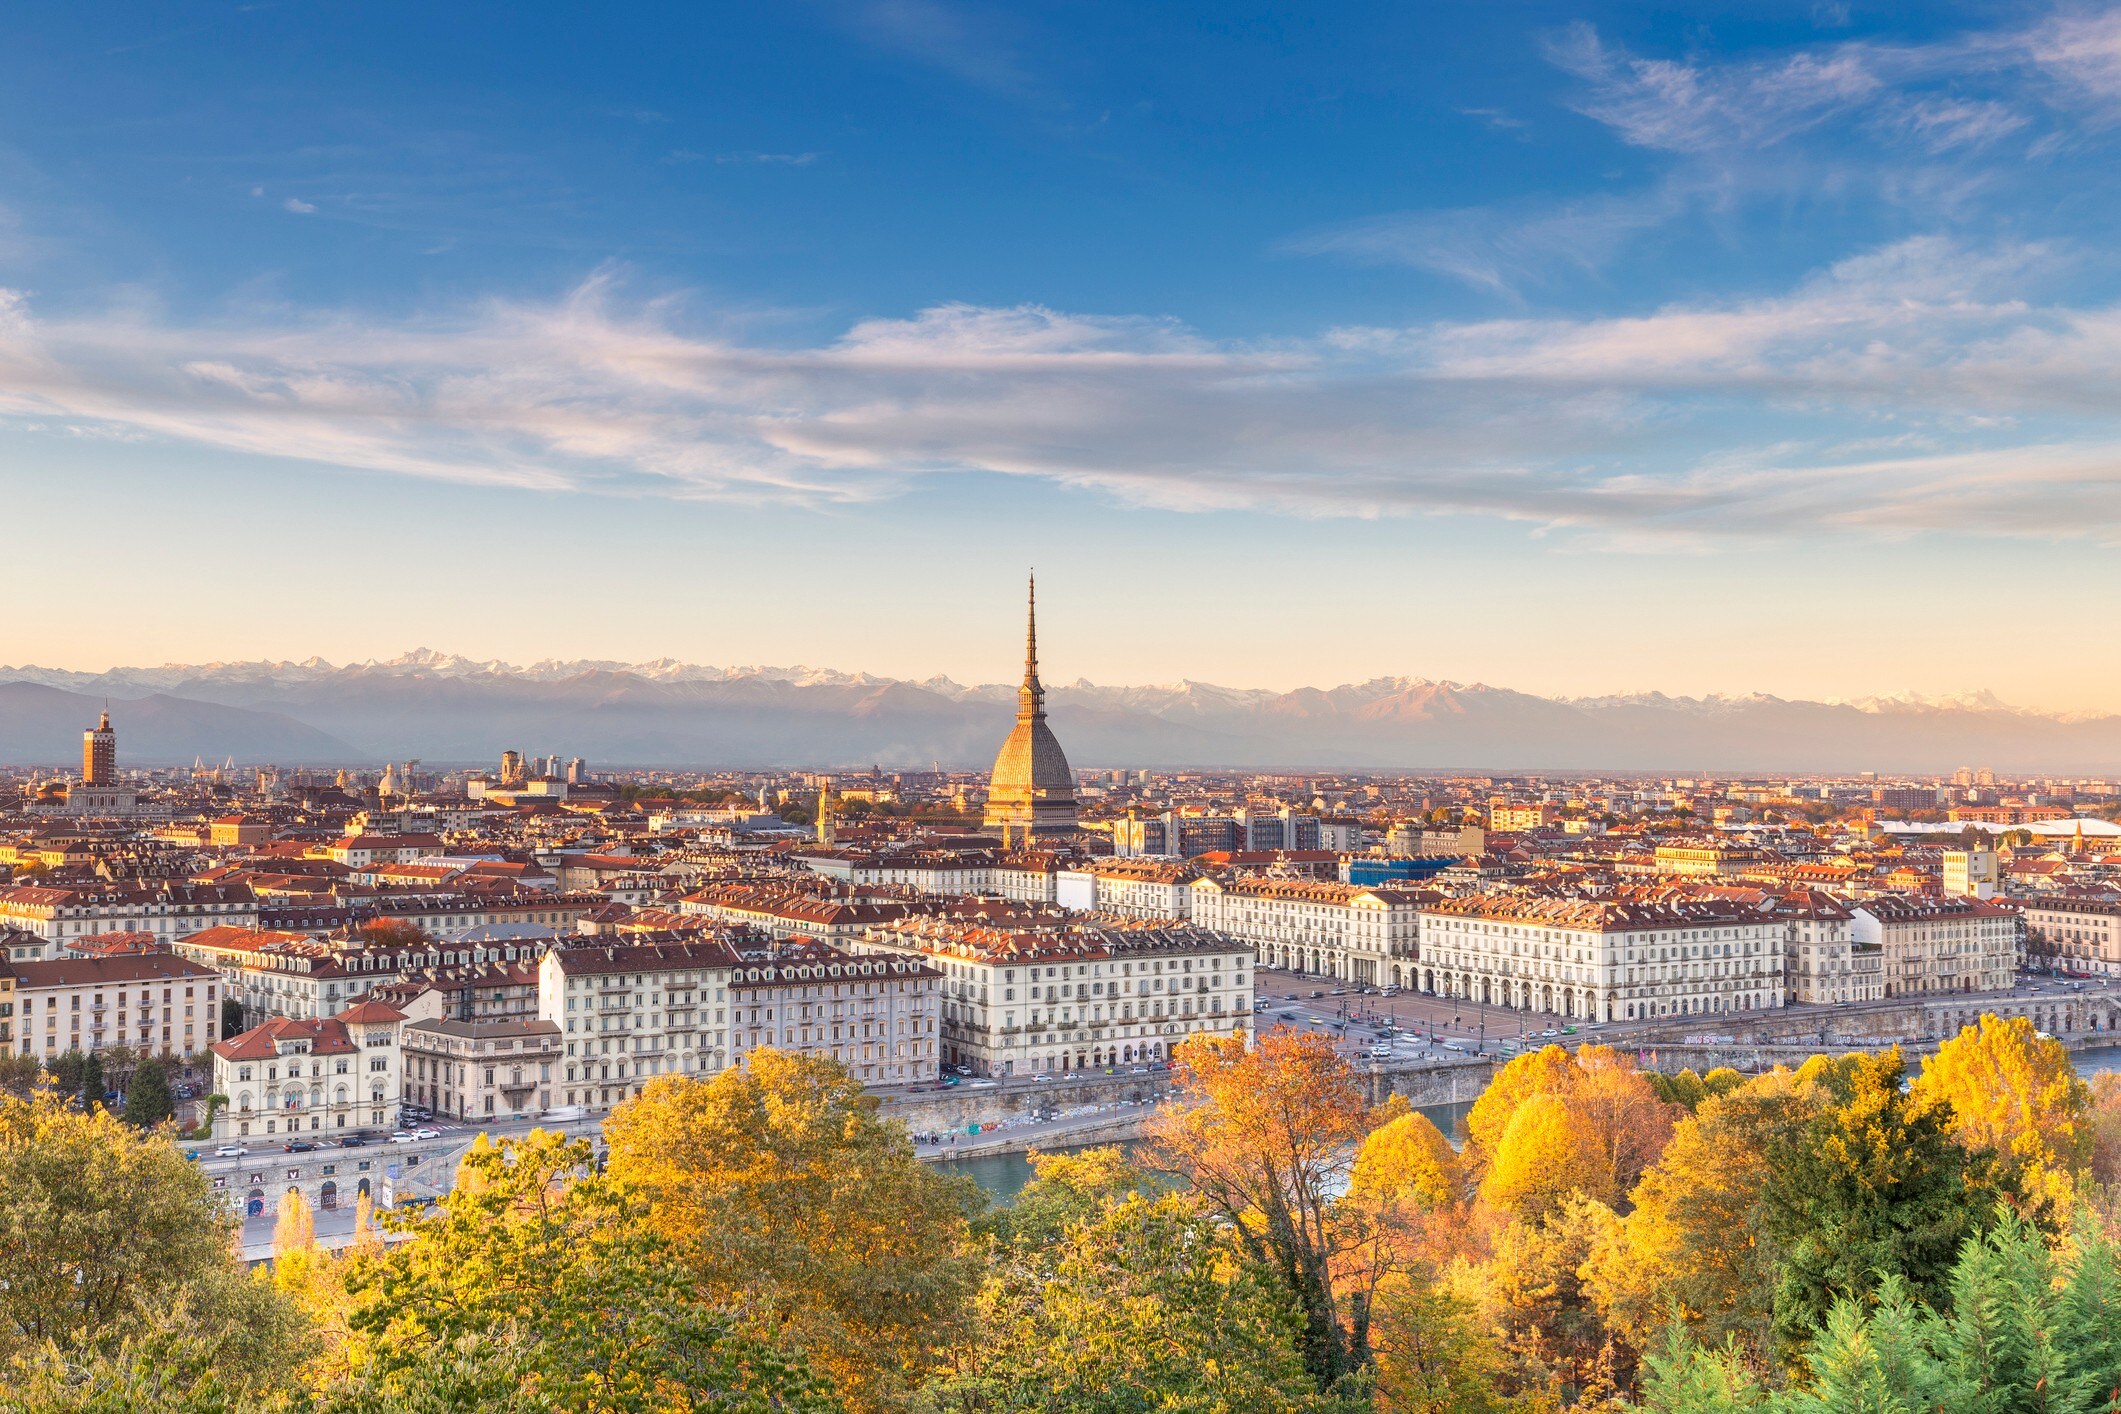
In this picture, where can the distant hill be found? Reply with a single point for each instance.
(40, 724)
(443, 708)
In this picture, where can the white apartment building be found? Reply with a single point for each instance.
(481, 1069)
(627, 1013)
(1134, 888)
(156, 1003)
(1086, 995)
(1933, 944)
(784, 909)
(1603, 959)
(1353, 932)
(1972, 873)
(875, 1014)
(290, 1079)
(58, 914)
(2079, 933)
(275, 973)
(1824, 964)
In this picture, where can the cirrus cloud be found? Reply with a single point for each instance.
(1923, 387)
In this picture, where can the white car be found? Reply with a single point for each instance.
(1381, 1052)
(403, 1137)
(230, 1151)
(424, 1132)
(1041, 1077)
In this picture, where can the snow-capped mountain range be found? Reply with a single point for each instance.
(445, 707)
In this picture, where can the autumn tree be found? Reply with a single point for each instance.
(1268, 1141)
(795, 1203)
(1433, 1357)
(1696, 1243)
(535, 1285)
(2016, 1094)
(1545, 1071)
(2103, 1119)
(1541, 1160)
(1553, 1124)
(1530, 1293)
(1141, 1307)
(391, 933)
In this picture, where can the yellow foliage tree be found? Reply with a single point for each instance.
(1694, 1242)
(1407, 1159)
(2016, 1093)
(1541, 1072)
(1543, 1156)
(796, 1204)
(294, 1226)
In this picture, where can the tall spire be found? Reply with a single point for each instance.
(1031, 697)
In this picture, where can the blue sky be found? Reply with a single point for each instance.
(1578, 348)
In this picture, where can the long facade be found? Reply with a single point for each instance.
(1602, 960)
(1350, 932)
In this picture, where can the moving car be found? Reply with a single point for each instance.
(230, 1151)
(403, 1137)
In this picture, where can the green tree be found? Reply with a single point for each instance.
(1066, 1190)
(1432, 1356)
(20, 1075)
(110, 1242)
(1141, 1308)
(794, 1202)
(79, 1074)
(231, 1017)
(148, 1101)
(1870, 1186)
(2026, 1330)
(534, 1285)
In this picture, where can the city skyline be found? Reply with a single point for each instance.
(1761, 349)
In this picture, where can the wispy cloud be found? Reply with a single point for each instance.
(1499, 248)
(1921, 387)
(771, 159)
(1924, 133)
(298, 206)
(969, 44)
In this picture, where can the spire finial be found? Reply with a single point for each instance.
(1031, 697)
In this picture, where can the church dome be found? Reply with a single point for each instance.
(1032, 791)
(1031, 762)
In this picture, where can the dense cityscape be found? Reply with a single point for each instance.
(1060, 707)
(1498, 1016)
